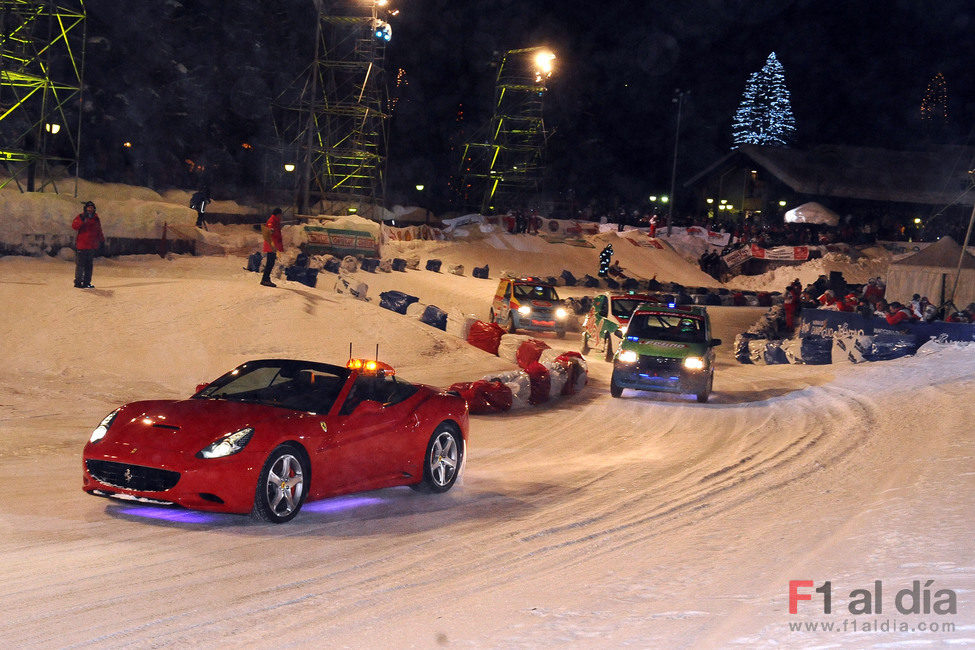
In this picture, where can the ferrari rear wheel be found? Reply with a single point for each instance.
(281, 485)
(442, 461)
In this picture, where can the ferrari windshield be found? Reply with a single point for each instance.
(535, 292)
(667, 326)
(298, 385)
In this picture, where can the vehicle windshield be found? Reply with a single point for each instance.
(667, 327)
(535, 292)
(623, 307)
(298, 385)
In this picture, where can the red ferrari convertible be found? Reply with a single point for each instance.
(272, 433)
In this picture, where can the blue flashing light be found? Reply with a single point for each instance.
(671, 304)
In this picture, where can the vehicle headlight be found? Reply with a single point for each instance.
(227, 445)
(694, 363)
(629, 356)
(623, 331)
(561, 313)
(103, 426)
(524, 310)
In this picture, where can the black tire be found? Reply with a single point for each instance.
(615, 389)
(609, 348)
(442, 460)
(511, 324)
(584, 350)
(706, 393)
(282, 485)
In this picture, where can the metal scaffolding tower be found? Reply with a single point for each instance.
(339, 121)
(504, 168)
(41, 74)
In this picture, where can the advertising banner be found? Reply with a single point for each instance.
(339, 242)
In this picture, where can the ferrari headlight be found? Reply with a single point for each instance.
(629, 356)
(561, 313)
(227, 445)
(694, 363)
(524, 310)
(102, 427)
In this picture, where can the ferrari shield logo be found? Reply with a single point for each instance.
(324, 427)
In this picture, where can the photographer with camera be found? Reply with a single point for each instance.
(89, 239)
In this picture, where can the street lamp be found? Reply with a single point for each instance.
(679, 100)
(289, 167)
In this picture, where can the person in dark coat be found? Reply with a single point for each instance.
(604, 258)
(87, 243)
(272, 245)
(199, 202)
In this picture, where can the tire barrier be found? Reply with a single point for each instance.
(332, 265)
(435, 317)
(396, 301)
(486, 336)
(305, 275)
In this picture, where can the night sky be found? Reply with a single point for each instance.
(194, 79)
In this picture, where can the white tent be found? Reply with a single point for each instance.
(931, 272)
(812, 213)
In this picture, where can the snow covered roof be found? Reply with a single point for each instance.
(936, 177)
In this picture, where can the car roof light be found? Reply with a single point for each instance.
(370, 367)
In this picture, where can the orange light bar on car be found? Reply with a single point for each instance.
(370, 367)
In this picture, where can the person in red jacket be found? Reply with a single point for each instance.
(89, 239)
(272, 245)
(898, 313)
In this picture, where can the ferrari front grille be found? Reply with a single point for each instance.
(132, 477)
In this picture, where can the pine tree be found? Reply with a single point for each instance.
(764, 115)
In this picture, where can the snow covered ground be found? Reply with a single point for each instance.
(650, 521)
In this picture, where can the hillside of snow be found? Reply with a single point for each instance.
(647, 521)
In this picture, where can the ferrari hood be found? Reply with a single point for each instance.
(188, 424)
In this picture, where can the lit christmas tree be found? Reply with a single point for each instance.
(934, 106)
(764, 115)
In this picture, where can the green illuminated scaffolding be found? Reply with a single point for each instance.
(339, 123)
(504, 168)
(41, 75)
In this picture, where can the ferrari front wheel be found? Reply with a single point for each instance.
(281, 485)
(442, 461)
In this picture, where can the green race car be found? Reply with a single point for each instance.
(666, 348)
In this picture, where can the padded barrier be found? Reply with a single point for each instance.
(483, 396)
(530, 352)
(481, 272)
(305, 275)
(435, 317)
(486, 336)
(396, 301)
(332, 265)
(254, 262)
(568, 278)
(589, 281)
(433, 265)
(370, 264)
(399, 264)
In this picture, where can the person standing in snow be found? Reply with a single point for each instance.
(87, 243)
(604, 258)
(272, 245)
(199, 202)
